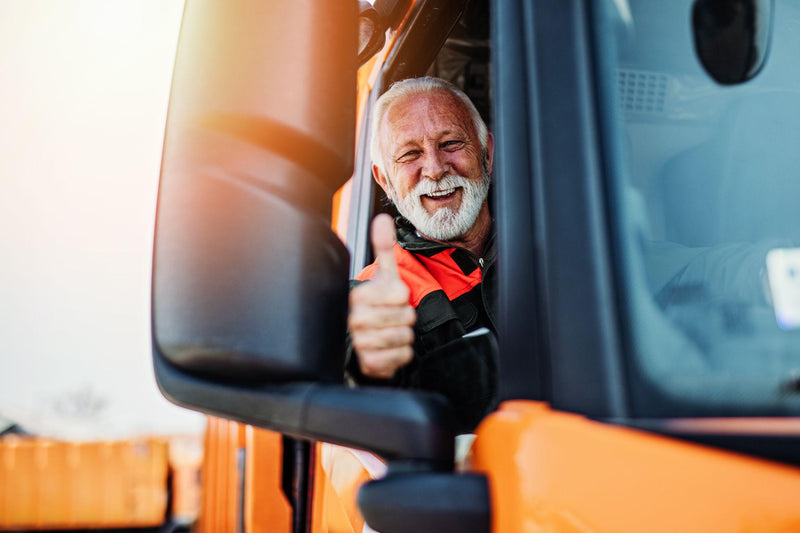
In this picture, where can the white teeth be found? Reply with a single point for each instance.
(439, 194)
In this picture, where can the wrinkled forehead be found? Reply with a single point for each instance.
(429, 113)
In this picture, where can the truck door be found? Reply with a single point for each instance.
(645, 173)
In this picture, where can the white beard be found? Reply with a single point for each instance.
(445, 224)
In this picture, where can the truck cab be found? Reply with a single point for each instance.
(644, 200)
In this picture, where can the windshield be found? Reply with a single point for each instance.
(705, 196)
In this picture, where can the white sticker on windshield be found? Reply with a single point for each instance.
(783, 273)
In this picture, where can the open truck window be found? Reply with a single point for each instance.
(448, 40)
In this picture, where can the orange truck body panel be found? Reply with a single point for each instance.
(552, 471)
(220, 476)
(46, 484)
(339, 473)
(242, 480)
(249, 493)
(265, 505)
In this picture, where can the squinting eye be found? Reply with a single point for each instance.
(408, 156)
(452, 144)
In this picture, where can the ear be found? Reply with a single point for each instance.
(381, 180)
(489, 151)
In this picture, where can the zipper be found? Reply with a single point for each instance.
(481, 263)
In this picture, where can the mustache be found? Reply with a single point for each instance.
(448, 182)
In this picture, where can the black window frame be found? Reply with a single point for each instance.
(560, 338)
(421, 38)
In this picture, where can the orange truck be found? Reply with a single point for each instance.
(645, 200)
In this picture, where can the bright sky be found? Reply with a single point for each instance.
(83, 99)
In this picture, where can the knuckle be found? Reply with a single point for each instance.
(367, 369)
(397, 337)
(373, 367)
(358, 343)
(402, 290)
(357, 294)
(410, 315)
(383, 363)
(392, 316)
(353, 319)
(362, 340)
(406, 355)
(396, 291)
(358, 318)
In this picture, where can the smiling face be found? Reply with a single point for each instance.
(434, 165)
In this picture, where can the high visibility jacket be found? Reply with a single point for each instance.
(454, 293)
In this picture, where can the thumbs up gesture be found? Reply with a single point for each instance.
(380, 319)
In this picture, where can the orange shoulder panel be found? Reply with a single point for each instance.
(449, 275)
(419, 280)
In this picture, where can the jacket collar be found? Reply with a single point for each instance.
(409, 239)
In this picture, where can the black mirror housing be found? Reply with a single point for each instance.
(249, 281)
(247, 287)
(250, 284)
(396, 425)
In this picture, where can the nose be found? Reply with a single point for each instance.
(434, 166)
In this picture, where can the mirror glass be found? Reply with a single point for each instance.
(371, 36)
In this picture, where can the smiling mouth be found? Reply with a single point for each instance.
(441, 195)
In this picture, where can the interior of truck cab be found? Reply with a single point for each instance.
(450, 42)
(707, 189)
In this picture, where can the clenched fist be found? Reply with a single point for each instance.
(380, 319)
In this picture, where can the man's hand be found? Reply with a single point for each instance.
(380, 319)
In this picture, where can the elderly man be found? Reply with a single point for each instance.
(410, 310)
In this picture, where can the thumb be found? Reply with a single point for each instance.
(383, 237)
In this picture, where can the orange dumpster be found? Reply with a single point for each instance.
(48, 484)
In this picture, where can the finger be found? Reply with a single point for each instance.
(383, 238)
(380, 293)
(382, 338)
(381, 317)
(383, 364)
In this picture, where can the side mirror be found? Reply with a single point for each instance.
(371, 32)
(250, 284)
(374, 18)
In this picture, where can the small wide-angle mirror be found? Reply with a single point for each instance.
(371, 32)
(732, 37)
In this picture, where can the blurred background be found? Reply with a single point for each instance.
(84, 88)
(86, 439)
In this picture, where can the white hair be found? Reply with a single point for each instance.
(413, 86)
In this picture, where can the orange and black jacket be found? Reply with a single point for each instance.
(454, 293)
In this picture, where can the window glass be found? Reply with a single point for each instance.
(705, 197)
